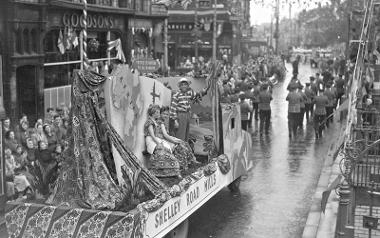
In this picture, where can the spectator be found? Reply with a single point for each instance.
(30, 150)
(51, 137)
(6, 125)
(48, 166)
(39, 135)
(57, 153)
(23, 133)
(14, 175)
(40, 121)
(50, 115)
(59, 129)
(20, 157)
(10, 141)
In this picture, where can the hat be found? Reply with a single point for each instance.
(183, 80)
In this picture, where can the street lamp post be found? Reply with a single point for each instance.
(214, 33)
(277, 31)
(196, 32)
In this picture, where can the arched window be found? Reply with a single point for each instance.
(26, 39)
(18, 40)
(34, 40)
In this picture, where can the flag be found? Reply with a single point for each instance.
(67, 36)
(220, 29)
(60, 43)
(163, 2)
(326, 194)
(119, 50)
(185, 3)
(74, 39)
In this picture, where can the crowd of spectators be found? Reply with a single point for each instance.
(32, 153)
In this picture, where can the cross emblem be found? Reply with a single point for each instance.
(154, 94)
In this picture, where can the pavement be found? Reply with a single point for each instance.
(322, 224)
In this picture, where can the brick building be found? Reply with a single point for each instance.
(32, 58)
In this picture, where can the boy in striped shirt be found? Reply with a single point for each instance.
(180, 108)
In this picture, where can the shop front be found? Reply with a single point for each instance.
(147, 39)
(63, 47)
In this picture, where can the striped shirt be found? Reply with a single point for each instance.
(181, 102)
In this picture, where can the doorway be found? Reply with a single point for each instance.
(27, 91)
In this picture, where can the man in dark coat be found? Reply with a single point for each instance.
(294, 109)
(265, 97)
(321, 102)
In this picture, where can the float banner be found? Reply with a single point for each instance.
(127, 98)
(177, 209)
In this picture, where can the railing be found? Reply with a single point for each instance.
(365, 166)
(362, 145)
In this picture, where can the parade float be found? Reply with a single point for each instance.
(104, 187)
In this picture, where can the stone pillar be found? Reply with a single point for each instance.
(343, 212)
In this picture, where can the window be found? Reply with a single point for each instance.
(25, 40)
(146, 6)
(126, 4)
(34, 40)
(18, 38)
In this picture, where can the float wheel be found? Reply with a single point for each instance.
(234, 186)
(181, 231)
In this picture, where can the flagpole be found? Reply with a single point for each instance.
(108, 50)
(196, 29)
(214, 33)
(84, 33)
(81, 49)
(166, 65)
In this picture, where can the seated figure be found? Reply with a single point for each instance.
(169, 154)
(14, 176)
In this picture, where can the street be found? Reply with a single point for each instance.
(276, 194)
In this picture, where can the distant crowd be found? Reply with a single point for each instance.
(32, 152)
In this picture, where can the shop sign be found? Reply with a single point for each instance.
(180, 26)
(146, 65)
(140, 23)
(93, 21)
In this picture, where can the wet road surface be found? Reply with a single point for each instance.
(276, 194)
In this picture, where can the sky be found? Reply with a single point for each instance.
(262, 14)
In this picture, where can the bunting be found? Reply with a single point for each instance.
(60, 43)
(172, 3)
(119, 51)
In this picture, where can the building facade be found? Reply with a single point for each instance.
(190, 31)
(41, 45)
